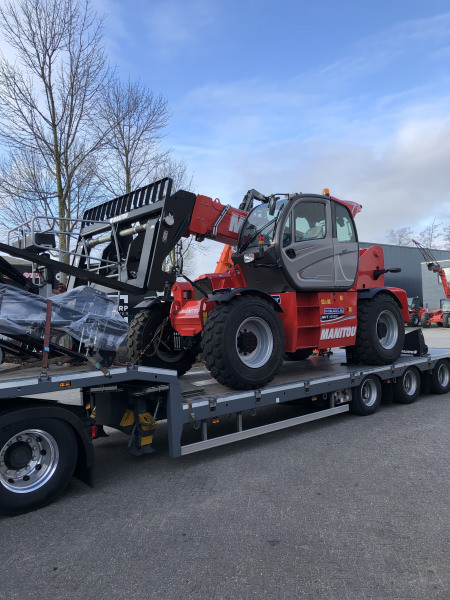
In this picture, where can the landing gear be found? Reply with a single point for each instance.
(153, 342)
(381, 332)
(243, 342)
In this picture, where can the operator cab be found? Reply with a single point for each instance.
(304, 242)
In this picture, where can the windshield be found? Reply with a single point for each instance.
(259, 222)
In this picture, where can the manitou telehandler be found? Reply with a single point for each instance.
(298, 281)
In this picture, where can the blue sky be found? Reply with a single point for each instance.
(290, 96)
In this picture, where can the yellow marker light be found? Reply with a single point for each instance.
(65, 384)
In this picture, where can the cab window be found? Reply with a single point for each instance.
(309, 221)
(345, 229)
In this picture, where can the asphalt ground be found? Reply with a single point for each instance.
(347, 508)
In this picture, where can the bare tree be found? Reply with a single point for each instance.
(430, 235)
(400, 236)
(135, 118)
(49, 102)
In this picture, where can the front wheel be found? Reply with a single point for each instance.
(413, 320)
(243, 342)
(425, 320)
(37, 460)
(153, 342)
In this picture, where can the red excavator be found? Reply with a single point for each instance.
(295, 282)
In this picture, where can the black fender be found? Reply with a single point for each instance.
(227, 295)
(369, 293)
(23, 409)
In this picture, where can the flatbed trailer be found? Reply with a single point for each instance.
(49, 418)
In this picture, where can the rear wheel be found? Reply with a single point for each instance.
(380, 334)
(407, 386)
(440, 377)
(153, 342)
(366, 398)
(37, 460)
(243, 342)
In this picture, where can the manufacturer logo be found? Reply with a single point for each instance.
(337, 333)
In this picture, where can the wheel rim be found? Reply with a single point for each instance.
(369, 392)
(443, 375)
(254, 342)
(387, 329)
(28, 460)
(410, 382)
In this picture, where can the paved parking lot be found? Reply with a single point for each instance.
(345, 508)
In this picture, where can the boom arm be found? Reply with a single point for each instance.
(434, 266)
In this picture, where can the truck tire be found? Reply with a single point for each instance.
(366, 398)
(407, 386)
(380, 334)
(153, 342)
(37, 460)
(243, 342)
(425, 320)
(440, 377)
(301, 354)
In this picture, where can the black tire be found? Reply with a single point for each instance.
(243, 342)
(366, 398)
(301, 354)
(37, 460)
(153, 342)
(446, 319)
(413, 320)
(380, 334)
(407, 387)
(425, 320)
(440, 377)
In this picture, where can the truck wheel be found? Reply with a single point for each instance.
(243, 342)
(366, 398)
(425, 320)
(380, 334)
(153, 342)
(407, 386)
(413, 320)
(37, 460)
(301, 354)
(440, 377)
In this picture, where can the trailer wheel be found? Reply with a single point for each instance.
(366, 398)
(407, 386)
(243, 342)
(153, 342)
(37, 460)
(425, 320)
(380, 334)
(301, 354)
(440, 377)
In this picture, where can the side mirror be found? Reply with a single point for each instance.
(272, 204)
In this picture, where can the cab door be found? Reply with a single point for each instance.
(346, 248)
(306, 245)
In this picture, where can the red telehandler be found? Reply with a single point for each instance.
(296, 282)
(440, 316)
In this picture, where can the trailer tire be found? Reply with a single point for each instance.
(243, 342)
(380, 334)
(366, 397)
(301, 354)
(37, 460)
(407, 386)
(147, 326)
(440, 377)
